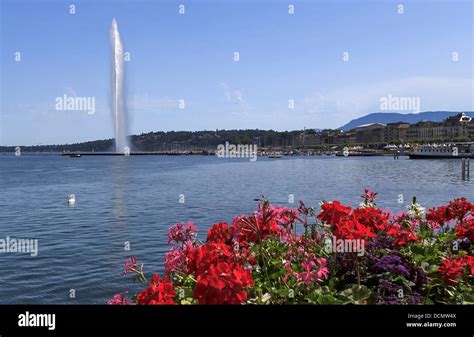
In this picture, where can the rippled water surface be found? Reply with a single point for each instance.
(135, 199)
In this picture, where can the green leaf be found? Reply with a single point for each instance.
(356, 293)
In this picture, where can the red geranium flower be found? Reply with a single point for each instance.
(159, 292)
(469, 260)
(465, 229)
(333, 212)
(371, 217)
(361, 223)
(220, 233)
(268, 220)
(201, 258)
(451, 269)
(223, 283)
(253, 228)
(439, 215)
(456, 209)
(401, 234)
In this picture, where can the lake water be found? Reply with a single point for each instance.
(135, 199)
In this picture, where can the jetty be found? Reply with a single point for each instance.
(139, 153)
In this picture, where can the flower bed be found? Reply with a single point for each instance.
(338, 255)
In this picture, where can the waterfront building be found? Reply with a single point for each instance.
(396, 132)
(370, 133)
(455, 128)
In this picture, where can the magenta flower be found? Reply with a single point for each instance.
(369, 196)
(323, 271)
(182, 233)
(284, 215)
(130, 264)
(175, 260)
(308, 276)
(289, 271)
(119, 299)
(312, 274)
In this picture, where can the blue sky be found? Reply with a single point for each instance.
(282, 57)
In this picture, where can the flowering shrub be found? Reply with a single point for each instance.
(339, 255)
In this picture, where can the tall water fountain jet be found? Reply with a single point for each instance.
(119, 111)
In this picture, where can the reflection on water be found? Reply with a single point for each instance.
(135, 199)
(119, 183)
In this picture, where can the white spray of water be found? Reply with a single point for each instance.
(118, 105)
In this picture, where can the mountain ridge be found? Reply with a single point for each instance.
(394, 117)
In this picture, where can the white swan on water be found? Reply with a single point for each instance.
(71, 199)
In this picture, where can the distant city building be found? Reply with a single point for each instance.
(370, 133)
(459, 127)
(396, 132)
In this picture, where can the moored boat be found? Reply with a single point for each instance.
(443, 151)
(275, 155)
